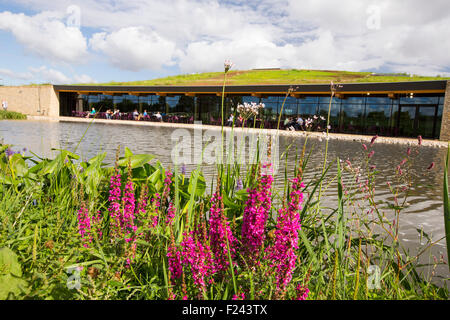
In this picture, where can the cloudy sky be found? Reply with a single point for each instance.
(103, 40)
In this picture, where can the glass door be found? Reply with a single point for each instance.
(406, 121)
(426, 121)
(415, 120)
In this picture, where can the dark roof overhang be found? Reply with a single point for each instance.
(301, 89)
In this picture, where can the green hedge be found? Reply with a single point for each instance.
(11, 115)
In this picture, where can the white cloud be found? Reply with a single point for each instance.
(43, 74)
(84, 78)
(197, 35)
(16, 75)
(134, 48)
(46, 35)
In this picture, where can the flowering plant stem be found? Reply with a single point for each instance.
(447, 203)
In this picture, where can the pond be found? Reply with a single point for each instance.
(424, 211)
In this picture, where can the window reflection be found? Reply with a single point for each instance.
(382, 115)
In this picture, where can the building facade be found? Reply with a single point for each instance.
(399, 109)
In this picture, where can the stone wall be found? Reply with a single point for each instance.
(31, 100)
(445, 127)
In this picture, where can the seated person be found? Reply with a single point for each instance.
(299, 124)
(109, 114)
(158, 116)
(135, 114)
(92, 113)
(230, 120)
(116, 112)
(144, 115)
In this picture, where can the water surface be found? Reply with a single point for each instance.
(425, 208)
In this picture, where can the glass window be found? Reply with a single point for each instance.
(185, 105)
(352, 118)
(171, 104)
(307, 110)
(326, 99)
(250, 99)
(377, 119)
(309, 99)
(378, 100)
(334, 114)
(289, 110)
(270, 111)
(425, 121)
(419, 100)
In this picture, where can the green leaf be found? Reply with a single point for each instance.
(197, 182)
(10, 274)
(136, 160)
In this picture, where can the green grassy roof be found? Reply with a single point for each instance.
(255, 77)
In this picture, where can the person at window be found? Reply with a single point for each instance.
(135, 114)
(230, 120)
(92, 113)
(299, 123)
(109, 114)
(143, 115)
(286, 123)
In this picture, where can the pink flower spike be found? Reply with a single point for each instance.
(373, 140)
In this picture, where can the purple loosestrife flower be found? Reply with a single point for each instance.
(282, 254)
(219, 232)
(170, 213)
(302, 292)
(156, 202)
(238, 296)
(197, 255)
(371, 153)
(129, 204)
(84, 225)
(115, 194)
(174, 259)
(143, 200)
(254, 219)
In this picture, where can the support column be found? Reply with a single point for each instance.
(79, 106)
(140, 104)
(445, 125)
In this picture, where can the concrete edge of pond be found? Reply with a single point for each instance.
(316, 135)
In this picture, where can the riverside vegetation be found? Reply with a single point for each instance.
(73, 229)
(11, 115)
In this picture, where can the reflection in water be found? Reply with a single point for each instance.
(425, 201)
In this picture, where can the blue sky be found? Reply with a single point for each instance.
(102, 40)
